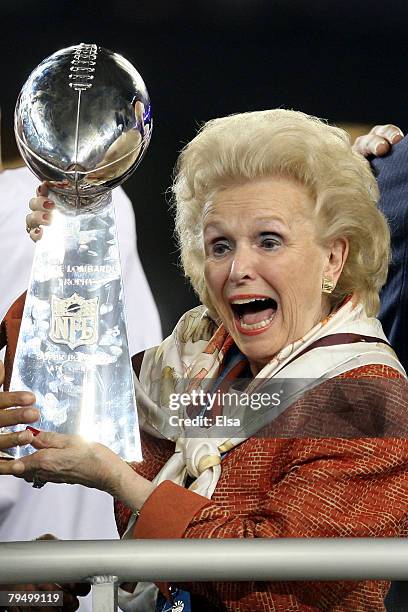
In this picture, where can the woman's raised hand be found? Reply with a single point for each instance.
(41, 214)
(378, 141)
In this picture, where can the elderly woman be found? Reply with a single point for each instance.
(282, 240)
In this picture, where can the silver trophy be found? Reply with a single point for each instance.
(82, 122)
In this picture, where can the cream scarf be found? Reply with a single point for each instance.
(167, 369)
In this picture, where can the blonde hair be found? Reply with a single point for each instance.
(240, 148)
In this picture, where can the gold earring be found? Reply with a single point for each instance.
(327, 285)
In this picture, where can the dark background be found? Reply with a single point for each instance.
(343, 60)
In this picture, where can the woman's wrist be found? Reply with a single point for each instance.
(130, 488)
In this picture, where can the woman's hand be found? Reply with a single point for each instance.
(42, 212)
(25, 414)
(71, 459)
(378, 141)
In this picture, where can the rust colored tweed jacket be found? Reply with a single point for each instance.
(272, 486)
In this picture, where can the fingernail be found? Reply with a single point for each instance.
(377, 146)
(396, 135)
(30, 414)
(33, 430)
(48, 204)
(46, 216)
(37, 231)
(26, 398)
(18, 467)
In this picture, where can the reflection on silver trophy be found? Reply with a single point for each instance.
(83, 122)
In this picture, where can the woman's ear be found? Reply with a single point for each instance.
(337, 255)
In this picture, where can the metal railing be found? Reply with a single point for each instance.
(106, 563)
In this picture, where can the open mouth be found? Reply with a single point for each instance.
(253, 313)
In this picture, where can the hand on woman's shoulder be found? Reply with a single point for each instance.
(378, 141)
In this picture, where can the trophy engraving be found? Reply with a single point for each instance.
(74, 320)
(83, 123)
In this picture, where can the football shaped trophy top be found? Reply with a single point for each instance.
(83, 121)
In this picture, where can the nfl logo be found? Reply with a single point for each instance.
(74, 320)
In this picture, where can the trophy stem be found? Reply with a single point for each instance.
(73, 350)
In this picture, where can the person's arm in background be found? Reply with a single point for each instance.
(387, 152)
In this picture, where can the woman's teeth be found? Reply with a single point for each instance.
(248, 301)
(259, 325)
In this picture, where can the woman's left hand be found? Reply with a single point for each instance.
(71, 459)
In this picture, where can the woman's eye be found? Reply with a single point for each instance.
(220, 248)
(271, 241)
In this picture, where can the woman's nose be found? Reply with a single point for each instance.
(243, 266)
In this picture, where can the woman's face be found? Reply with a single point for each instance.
(264, 266)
